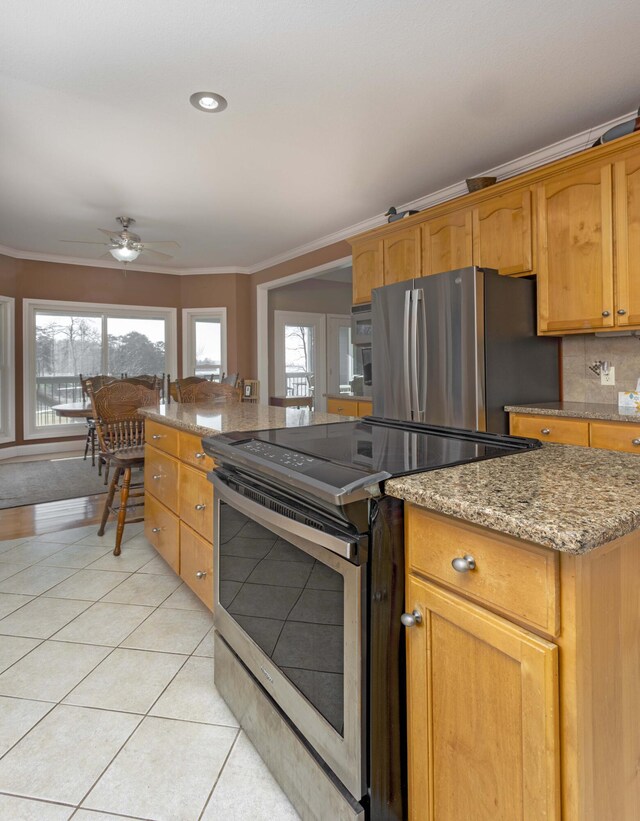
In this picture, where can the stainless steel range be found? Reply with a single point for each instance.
(309, 589)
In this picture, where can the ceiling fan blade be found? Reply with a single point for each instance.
(105, 256)
(157, 254)
(114, 234)
(163, 242)
(82, 242)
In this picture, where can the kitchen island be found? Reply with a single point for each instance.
(523, 643)
(178, 496)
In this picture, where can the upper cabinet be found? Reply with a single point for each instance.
(368, 272)
(402, 256)
(575, 250)
(627, 222)
(447, 243)
(502, 233)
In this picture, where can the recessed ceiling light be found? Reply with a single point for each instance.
(208, 101)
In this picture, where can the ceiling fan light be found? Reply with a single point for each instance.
(124, 254)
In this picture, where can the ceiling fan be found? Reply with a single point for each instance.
(125, 245)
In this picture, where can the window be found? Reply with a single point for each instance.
(66, 340)
(204, 332)
(7, 386)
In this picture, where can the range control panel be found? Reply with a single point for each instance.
(277, 455)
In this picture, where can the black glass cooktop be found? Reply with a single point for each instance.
(341, 453)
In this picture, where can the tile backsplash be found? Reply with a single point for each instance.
(580, 384)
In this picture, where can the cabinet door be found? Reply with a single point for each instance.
(502, 234)
(368, 272)
(447, 243)
(402, 256)
(483, 714)
(575, 253)
(627, 205)
(344, 407)
(196, 501)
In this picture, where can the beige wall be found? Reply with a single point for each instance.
(579, 384)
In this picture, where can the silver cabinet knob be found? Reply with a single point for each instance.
(157, 476)
(156, 529)
(200, 574)
(546, 431)
(200, 507)
(621, 311)
(635, 441)
(158, 436)
(411, 619)
(200, 455)
(606, 313)
(464, 563)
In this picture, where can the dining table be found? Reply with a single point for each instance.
(74, 410)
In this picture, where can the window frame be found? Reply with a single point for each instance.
(8, 371)
(33, 306)
(188, 337)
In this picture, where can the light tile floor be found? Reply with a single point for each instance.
(107, 704)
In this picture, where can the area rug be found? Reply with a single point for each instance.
(29, 483)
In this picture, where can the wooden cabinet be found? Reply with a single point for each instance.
(349, 407)
(503, 233)
(507, 723)
(179, 512)
(557, 429)
(623, 436)
(627, 223)
(575, 250)
(447, 243)
(367, 269)
(401, 254)
(483, 714)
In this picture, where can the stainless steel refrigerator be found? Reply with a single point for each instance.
(454, 348)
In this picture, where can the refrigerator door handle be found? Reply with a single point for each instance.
(406, 347)
(420, 372)
(416, 298)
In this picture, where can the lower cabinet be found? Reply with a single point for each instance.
(623, 436)
(514, 716)
(350, 407)
(179, 506)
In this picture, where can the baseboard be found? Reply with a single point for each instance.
(43, 449)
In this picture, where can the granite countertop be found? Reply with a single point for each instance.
(578, 410)
(210, 419)
(348, 396)
(568, 498)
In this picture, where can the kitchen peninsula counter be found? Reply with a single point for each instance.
(578, 410)
(571, 499)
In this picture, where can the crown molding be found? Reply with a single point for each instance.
(17, 253)
(555, 151)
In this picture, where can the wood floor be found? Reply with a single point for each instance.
(31, 520)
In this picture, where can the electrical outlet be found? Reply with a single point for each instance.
(608, 378)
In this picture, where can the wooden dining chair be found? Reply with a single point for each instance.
(90, 442)
(120, 430)
(194, 389)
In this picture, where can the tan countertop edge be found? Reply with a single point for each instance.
(567, 498)
(352, 397)
(577, 410)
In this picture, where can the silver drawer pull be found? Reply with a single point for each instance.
(200, 574)
(158, 435)
(411, 619)
(464, 563)
(605, 313)
(635, 441)
(157, 476)
(621, 311)
(546, 431)
(200, 455)
(156, 529)
(200, 507)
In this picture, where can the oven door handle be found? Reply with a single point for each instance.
(284, 526)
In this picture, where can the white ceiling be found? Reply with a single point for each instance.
(337, 109)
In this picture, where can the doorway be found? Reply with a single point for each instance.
(300, 355)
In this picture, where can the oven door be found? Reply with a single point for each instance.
(292, 607)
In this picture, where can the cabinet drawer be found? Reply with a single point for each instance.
(621, 436)
(162, 529)
(161, 477)
(346, 407)
(365, 408)
(196, 564)
(196, 501)
(190, 451)
(551, 429)
(161, 436)
(519, 582)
